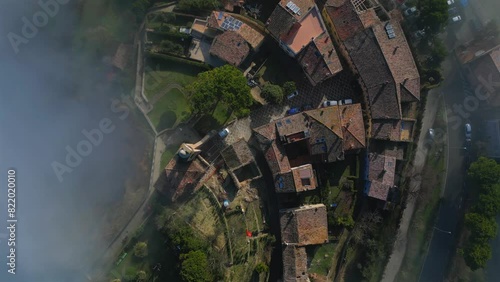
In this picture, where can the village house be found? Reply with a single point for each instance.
(300, 31)
(376, 49)
(292, 144)
(381, 176)
(231, 39)
(240, 162)
(300, 227)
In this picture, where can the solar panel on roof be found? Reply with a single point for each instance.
(289, 5)
(220, 16)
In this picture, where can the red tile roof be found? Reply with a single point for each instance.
(399, 58)
(344, 17)
(319, 59)
(295, 264)
(303, 226)
(181, 176)
(230, 47)
(381, 175)
(328, 131)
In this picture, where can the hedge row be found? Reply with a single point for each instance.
(174, 59)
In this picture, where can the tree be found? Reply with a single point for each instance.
(194, 267)
(198, 5)
(141, 249)
(289, 87)
(477, 254)
(116, 280)
(482, 228)
(488, 203)
(438, 53)
(345, 221)
(433, 14)
(272, 93)
(184, 238)
(223, 84)
(261, 268)
(485, 171)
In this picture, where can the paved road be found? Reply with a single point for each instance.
(442, 242)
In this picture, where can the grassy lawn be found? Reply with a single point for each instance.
(215, 121)
(172, 108)
(322, 259)
(160, 75)
(168, 154)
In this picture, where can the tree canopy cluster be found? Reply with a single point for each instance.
(275, 94)
(194, 264)
(433, 14)
(480, 221)
(224, 84)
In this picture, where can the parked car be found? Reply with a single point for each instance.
(293, 111)
(252, 83)
(293, 94)
(410, 11)
(451, 2)
(431, 133)
(345, 102)
(456, 18)
(468, 132)
(224, 132)
(329, 103)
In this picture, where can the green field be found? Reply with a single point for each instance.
(322, 260)
(171, 109)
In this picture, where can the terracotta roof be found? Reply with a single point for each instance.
(345, 19)
(303, 32)
(304, 178)
(181, 176)
(375, 75)
(230, 47)
(386, 129)
(280, 22)
(295, 264)
(237, 155)
(252, 36)
(303, 226)
(399, 58)
(328, 131)
(353, 127)
(319, 59)
(304, 6)
(381, 175)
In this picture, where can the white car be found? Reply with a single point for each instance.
(224, 132)
(451, 2)
(468, 132)
(293, 94)
(410, 11)
(329, 103)
(345, 102)
(456, 19)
